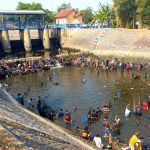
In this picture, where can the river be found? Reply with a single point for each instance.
(98, 90)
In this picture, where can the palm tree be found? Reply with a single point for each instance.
(104, 14)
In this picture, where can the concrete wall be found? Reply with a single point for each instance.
(109, 42)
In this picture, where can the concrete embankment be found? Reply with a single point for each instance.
(34, 131)
(126, 43)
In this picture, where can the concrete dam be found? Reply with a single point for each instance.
(109, 42)
(102, 42)
(28, 42)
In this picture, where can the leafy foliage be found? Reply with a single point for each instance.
(123, 13)
(87, 15)
(128, 12)
(49, 17)
(63, 6)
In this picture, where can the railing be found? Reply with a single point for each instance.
(65, 26)
(19, 23)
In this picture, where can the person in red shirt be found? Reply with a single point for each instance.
(67, 119)
(145, 105)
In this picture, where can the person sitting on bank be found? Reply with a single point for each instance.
(85, 133)
(98, 142)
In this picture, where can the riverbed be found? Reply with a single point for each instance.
(99, 89)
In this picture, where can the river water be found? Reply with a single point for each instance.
(98, 90)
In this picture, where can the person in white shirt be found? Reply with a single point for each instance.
(30, 105)
(98, 142)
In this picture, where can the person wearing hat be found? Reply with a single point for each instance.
(134, 142)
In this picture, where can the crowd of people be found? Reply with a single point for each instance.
(111, 130)
(21, 67)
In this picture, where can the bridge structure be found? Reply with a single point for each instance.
(23, 21)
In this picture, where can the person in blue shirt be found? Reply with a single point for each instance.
(60, 113)
(18, 98)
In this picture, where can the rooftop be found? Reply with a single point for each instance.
(64, 13)
(22, 12)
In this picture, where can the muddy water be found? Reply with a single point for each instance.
(98, 89)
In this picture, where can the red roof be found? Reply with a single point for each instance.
(64, 13)
(77, 15)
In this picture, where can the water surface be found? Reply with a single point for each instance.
(98, 90)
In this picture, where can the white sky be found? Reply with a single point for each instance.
(52, 4)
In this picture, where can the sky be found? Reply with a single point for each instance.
(52, 4)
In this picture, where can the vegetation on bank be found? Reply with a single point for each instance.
(122, 13)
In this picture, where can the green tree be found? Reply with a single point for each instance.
(63, 6)
(49, 17)
(28, 6)
(125, 11)
(105, 14)
(143, 12)
(87, 15)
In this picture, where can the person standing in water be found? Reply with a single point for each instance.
(145, 105)
(127, 111)
(30, 104)
(39, 105)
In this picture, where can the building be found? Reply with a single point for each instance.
(68, 16)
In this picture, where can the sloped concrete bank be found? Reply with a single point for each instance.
(12, 113)
(134, 43)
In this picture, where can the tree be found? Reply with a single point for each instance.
(49, 17)
(87, 15)
(105, 14)
(125, 13)
(143, 12)
(28, 6)
(63, 6)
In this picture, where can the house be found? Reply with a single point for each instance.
(68, 16)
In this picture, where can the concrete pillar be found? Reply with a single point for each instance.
(25, 37)
(6, 42)
(44, 36)
(46, 40)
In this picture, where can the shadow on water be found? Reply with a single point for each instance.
(98, 89)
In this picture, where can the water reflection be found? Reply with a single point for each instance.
(98, 89)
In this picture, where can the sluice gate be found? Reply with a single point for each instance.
(17, 48)
(37, 46)
(1, 50)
